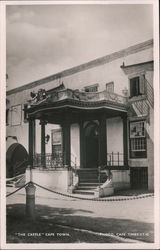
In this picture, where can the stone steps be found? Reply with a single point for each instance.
(81, 187)
(88, 181)
(80, 191)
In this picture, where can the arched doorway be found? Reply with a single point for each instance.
(91, 145)
(16, 160)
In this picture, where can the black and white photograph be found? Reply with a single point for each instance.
(79, 125)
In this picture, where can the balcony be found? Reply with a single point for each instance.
(43, 96)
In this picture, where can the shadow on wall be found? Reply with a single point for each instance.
(16, 160)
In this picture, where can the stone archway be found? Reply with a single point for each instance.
(16, 160)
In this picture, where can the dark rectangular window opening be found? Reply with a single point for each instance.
(91, 88)
(139, 177)
(25, 113)
(135, 87)
(7, 117)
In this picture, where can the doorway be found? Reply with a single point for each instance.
(91, 145)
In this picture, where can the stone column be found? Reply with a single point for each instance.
(102, 140)
(81, 144)
(66, 143)
(31, 141)
(43, 146)
(34, 137)
(125, 141)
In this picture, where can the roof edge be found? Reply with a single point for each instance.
(96, 62)
(136, 64)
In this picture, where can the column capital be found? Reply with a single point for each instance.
(30, 118)
(124, 116)
(43, 122)
(102, 117)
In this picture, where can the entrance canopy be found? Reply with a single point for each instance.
(53, 104)
(66, 107)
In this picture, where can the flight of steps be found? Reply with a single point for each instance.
(88, 181)
(16, 181)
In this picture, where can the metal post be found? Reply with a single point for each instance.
(30, 200)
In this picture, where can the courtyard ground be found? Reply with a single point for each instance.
(61, 219)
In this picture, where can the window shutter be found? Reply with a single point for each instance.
(132, 89)
(25, 113)
(110, 87)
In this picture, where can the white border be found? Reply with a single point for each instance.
(155, 245)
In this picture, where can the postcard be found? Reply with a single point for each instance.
(80, 125)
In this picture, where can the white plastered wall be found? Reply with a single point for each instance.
(115, 136)
(75, 145)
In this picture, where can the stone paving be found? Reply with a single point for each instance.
(132, 219)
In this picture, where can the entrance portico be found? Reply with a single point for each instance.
(90, 114)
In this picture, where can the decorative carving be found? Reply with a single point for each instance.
(77, 97)
(39, 97)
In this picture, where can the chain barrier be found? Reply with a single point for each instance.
(94, 199)
(17, 190)
(82, 198)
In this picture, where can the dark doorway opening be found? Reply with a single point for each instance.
(17, 160)
(91, 145)
(139, 177)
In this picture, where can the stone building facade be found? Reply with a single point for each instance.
(95, 116)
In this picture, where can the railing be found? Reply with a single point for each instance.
(115, 159)
(50, 161)
(89, 96)
(80, 96)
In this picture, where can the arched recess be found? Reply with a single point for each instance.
(91, 144)
(16, 160)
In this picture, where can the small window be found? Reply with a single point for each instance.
(110, 87)
(25, 113)
(16, 115)
(91, 88)
(137, 86)
(138, 140)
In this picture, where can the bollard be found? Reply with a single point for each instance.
(30, 200)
